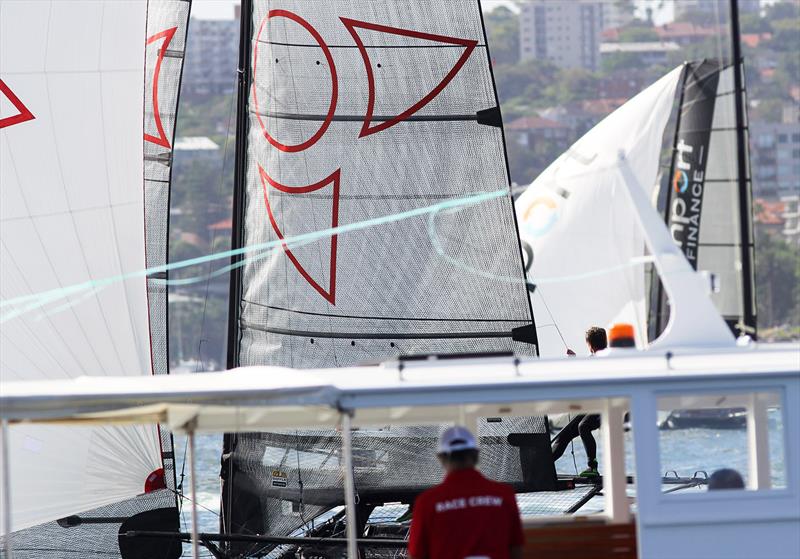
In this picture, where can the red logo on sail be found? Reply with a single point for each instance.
(352, 25)
(166, 35)
(333, 179)
(334, 82)
(22, 116)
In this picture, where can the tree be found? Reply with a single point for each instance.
(777, 281)
(620, 61)
(574, 85)
(754, 23)
(770, 110)
(523, 79)
(502, 27)
(637, 33)
(786, 36)
(783, 10)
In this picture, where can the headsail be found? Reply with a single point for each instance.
(375, 137)
(84, 210)
(586, 257)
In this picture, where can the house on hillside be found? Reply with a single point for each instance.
(527, 129)
(646, 53)
(768, 215)
(791, 218)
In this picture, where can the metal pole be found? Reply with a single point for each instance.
(193, 484)
(745, 213)
(758, 443)
(6, 492)
(237, 240)
(349, 486)
(614, 479)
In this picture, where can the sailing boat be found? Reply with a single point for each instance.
(89, 93)
(441, 96)
(82, 201)
(354, 112)
(572, 208)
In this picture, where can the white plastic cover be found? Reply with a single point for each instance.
(576, 218)
(71, 211)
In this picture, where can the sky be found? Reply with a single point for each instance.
(223, 9)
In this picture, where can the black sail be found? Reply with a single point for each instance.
(378, 220)
(701, 197)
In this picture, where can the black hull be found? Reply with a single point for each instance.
(734, 418)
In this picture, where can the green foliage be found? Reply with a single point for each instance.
(619, 61)
(502, 27)
(701, 17)
(527, 80)
(786, 36)
(573, 85)
(777, 281)
(526, 162)
(753, 23)
(788, 9)
(637, 33)
(770, 110)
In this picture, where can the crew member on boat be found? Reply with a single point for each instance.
(582, 425)
(467, 515)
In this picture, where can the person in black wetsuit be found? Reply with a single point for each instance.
(583, 425)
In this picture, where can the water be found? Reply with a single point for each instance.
(684, 451)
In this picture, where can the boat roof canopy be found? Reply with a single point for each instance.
(411, 392)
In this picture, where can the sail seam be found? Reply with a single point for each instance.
(278, 43)
(522, 320)
(373, 336)
(360, 118)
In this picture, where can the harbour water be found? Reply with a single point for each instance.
(686, 452)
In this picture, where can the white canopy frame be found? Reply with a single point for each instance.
(460, 390)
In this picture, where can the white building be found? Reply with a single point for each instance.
(791, 216)
(567, 32)
(647, 53)
(775, 152)
(212, 55)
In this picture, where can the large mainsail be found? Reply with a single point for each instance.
(701, 198)
(83, 210)
(587, 251)
(378, 120)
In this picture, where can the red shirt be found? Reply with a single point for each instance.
(466, 515)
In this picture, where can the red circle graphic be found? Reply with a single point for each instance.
(334, 82)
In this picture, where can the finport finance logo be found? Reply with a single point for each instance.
(688, 183)
(680, 181)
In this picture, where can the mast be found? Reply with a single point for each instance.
(239, 178)
(745, 213)
(237, 228)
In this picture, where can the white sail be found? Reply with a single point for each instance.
(71, 211)
(586, 245)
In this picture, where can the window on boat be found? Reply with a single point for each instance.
(738, 433)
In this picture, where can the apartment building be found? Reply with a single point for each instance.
(567, 32)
